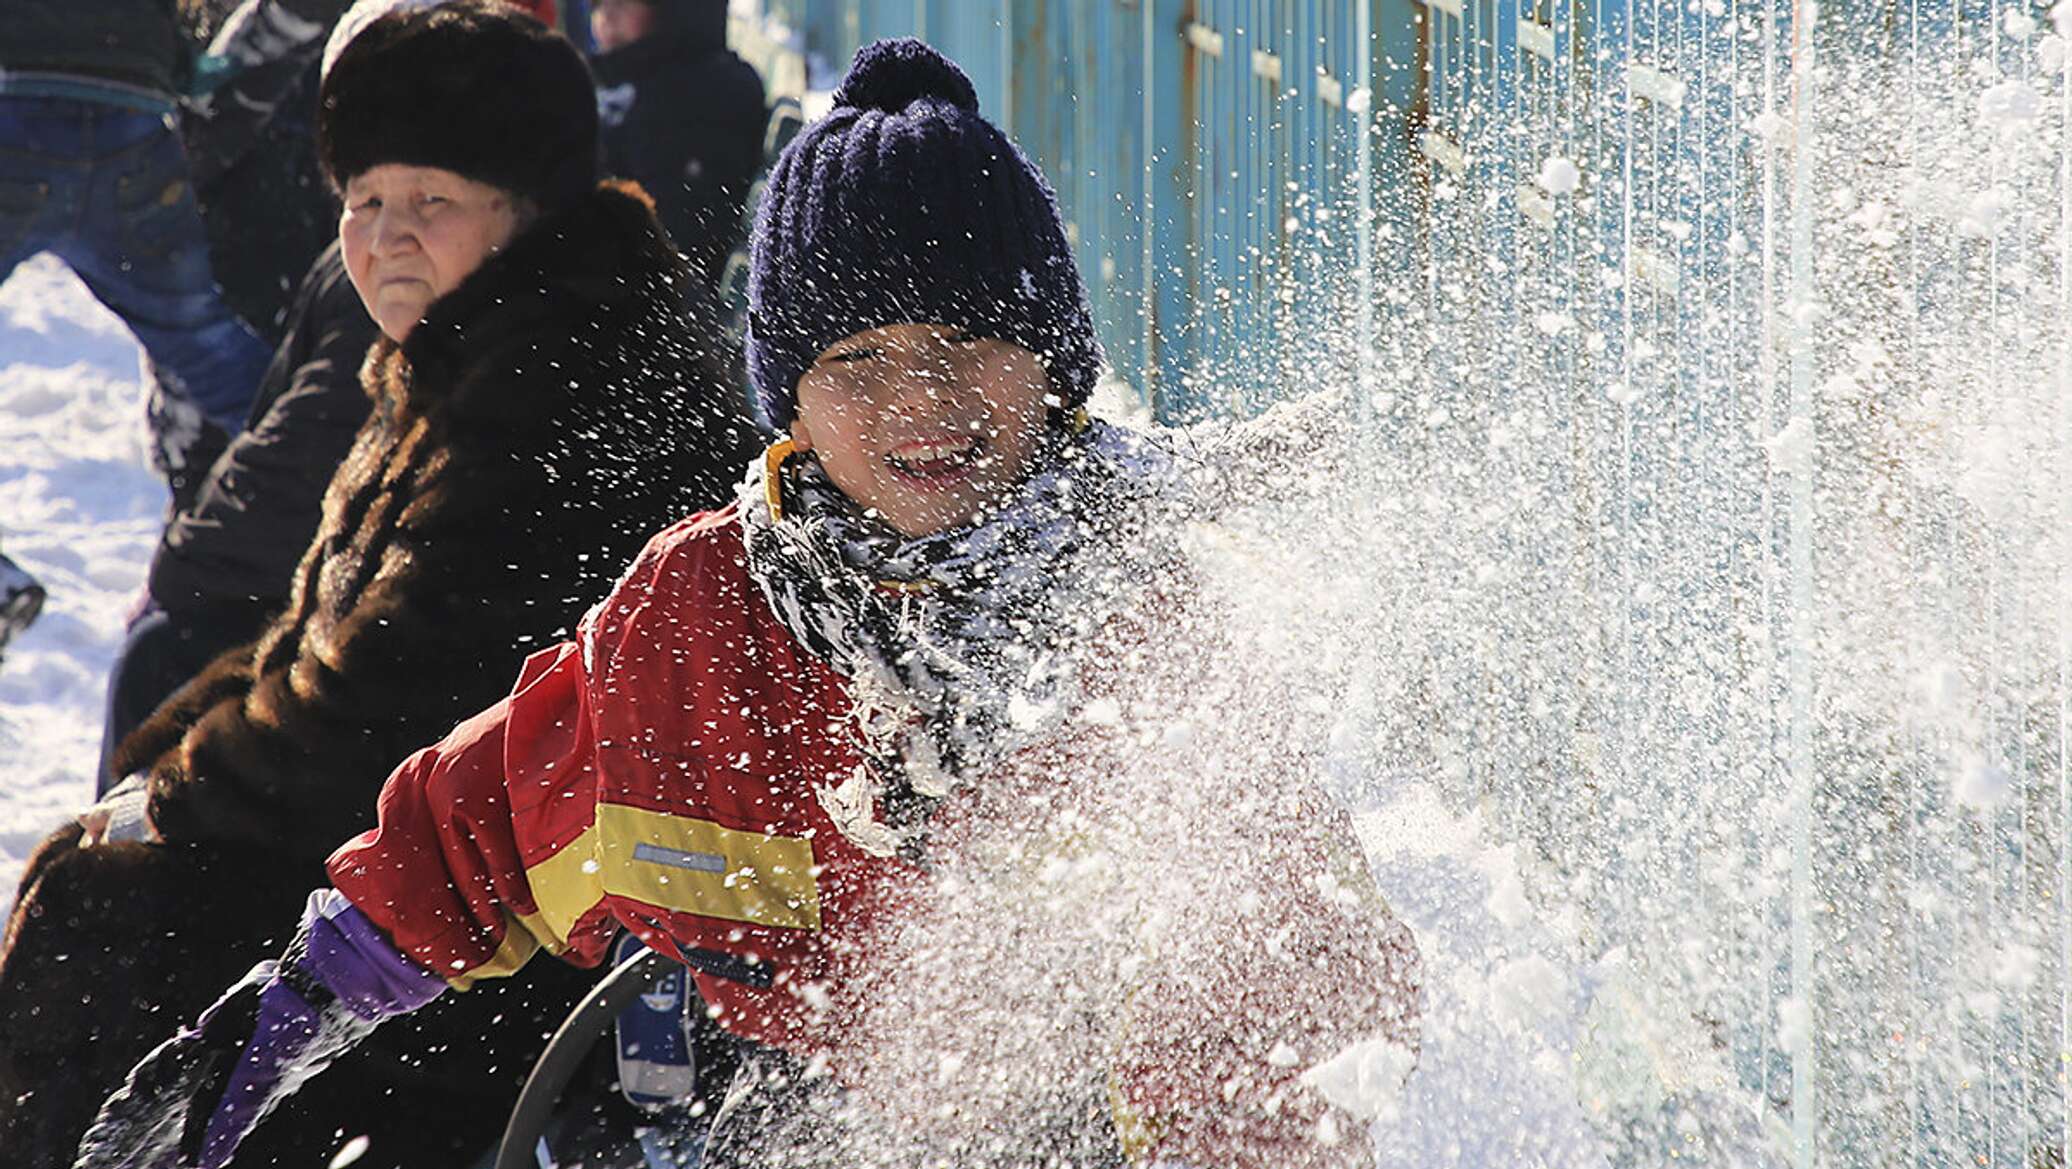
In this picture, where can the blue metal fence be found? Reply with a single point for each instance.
(1593, 223)
(1192, 142)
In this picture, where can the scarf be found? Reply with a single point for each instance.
(957, 646)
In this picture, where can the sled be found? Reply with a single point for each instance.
(657, 1077)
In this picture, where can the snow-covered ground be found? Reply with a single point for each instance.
(80, 508)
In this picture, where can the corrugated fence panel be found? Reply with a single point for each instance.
(1608, 239)
(976, 36)
(1246, 136)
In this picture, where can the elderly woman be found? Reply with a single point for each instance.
(542, 401)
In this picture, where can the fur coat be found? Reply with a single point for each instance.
(547, 415)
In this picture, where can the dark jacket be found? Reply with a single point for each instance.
(138, 43)
(263, 197)
(251, 149)
(240, 522)
(542, 421)
(683, 116)
(233, 553)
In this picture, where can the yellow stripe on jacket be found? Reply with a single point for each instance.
(676, 863)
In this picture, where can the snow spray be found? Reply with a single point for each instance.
(1712, 706)
(1677, 588)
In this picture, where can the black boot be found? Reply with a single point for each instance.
(21, 599)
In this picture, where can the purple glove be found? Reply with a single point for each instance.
(195, 1097)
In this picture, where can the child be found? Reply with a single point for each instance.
(801, 723)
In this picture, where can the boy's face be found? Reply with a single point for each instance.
(924, 424)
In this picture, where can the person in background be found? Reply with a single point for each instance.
(250, 134)
(245, 127)
(540, 401)
(91, 170)
(243, 509)
(681, 115)
(225, 564)
(575, 25)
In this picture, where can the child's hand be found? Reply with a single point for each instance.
(191, 1101)
(160, 1116)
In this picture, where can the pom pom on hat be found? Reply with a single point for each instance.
(904, 206)
(892, 75)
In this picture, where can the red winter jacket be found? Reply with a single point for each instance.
(660, 773)
(657, 773)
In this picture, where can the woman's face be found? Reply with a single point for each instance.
(411, 234)
(924, 424)
(614, 24)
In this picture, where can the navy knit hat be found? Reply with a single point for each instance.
(904, 206)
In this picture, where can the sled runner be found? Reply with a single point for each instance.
(646, 1107)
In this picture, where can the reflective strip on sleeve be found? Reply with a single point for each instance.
(697, 866)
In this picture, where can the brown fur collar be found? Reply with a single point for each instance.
(575, 270)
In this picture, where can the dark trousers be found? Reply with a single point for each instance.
(104, 187)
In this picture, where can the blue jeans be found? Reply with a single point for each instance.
(105, 188)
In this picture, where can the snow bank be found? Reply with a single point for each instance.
(79, 508)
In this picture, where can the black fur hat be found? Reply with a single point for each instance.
(475, 87)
